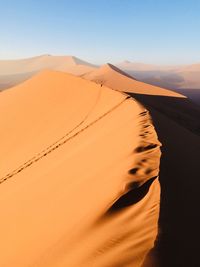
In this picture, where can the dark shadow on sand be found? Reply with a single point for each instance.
(193, 94)
(177, 121)
(133, 196)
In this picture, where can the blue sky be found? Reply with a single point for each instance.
(99, 31)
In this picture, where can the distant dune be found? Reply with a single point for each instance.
(13, 72)
(113, 77)
(171, 77)
(79, 175)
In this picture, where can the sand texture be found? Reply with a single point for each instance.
(79, 175)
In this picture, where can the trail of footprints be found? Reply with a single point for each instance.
(61, 141)
(143, 148)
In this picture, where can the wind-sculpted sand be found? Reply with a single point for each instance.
(79, 175)
(116, 79)
(177, 122)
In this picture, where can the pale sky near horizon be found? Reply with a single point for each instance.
(99, 31)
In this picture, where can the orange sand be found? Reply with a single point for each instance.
(176, 119)
(79, 168)
(113, 77)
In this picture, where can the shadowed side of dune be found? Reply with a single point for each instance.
(177, 124)
(193, 94)
(131, 197)
(181, 110)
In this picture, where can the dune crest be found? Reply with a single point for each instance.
(178, 127)
(115, 78)
(88, 192)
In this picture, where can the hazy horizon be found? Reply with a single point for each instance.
(152, 32)
(102, 63)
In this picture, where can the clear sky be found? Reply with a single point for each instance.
(99, 31)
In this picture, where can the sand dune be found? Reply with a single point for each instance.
(171, 77)
(13, 72)
(81, 152)
(178, 126)
(79, 168)
(113, 77)
(179, 178)
(137, 66)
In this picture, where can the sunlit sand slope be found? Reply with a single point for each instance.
(113, 77)
(78, 176)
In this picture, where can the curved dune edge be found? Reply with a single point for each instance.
(115, 78)
(94, 199)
